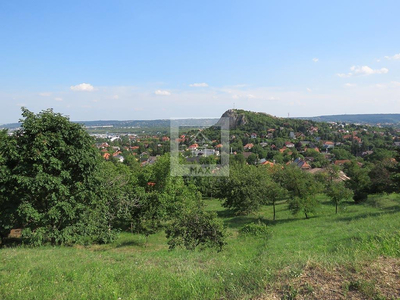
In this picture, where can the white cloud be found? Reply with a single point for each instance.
(395, 83)
(45, 94)
(162, 93)
(58, 99)
(315, 59)
(380, 86)
(396, 56)
(82, 87)
(274, 98)
(343, 75)
(309, 90)
(237, 94)
(362, 71)
(350, 85)
(202, 84)
(365, 70)
(115, 97)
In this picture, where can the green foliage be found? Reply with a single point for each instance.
(207, 160)
(238, 158)
(381, 175)
(303, 189)
(252, 159)
(129, 268)
(195, 227)
(319, 158)
(243, 190)
(50, 188)
(338, 192)
(359, 180)
(341, 153)
(255, 229)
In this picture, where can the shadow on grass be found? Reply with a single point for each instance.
(368, 215)
(129, 239)
(234, 221)
(131, 243)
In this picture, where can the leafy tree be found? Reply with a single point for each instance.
(50, 188)
(248, 188)
(243, 191)
(259, 151)
(252, 159)
(359, 181)
(132, 163)
(120, 191)
(303, 189)
(380, 155)
(8, 208)
(341, 153)
(273, 192)
(338, 192)
(381, 178)
(238, 158)
(319, 158)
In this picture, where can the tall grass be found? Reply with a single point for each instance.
(133, 268)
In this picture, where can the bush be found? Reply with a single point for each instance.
(195, 228)
(360, 196)
(255, 229)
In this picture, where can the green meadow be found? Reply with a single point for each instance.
(258, 266)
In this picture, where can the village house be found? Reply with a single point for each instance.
(328, 145)
(248, 146)
(289, 144)
(301, 164)
(193, 147)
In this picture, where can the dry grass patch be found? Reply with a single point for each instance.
(379, 279)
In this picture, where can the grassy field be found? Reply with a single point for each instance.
(297, 260)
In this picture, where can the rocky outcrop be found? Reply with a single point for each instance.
(234, 118)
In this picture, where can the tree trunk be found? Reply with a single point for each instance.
(306, 215)
(336, 207)
(273, 204)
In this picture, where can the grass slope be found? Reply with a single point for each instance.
(281, 265)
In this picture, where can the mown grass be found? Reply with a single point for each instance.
(133, 268)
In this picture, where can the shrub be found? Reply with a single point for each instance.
(194, 228)
(255, 229)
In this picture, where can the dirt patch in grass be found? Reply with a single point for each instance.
(379, 279)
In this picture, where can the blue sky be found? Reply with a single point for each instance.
(105, 60)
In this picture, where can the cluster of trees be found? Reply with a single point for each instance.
(56, 187)
(249, 187)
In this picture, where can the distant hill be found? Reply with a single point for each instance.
(373, 119)
(248, 121)
(240, 118)
(165, 123)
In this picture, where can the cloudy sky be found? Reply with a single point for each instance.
(103, 60)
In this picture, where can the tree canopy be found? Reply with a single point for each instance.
(49, 187)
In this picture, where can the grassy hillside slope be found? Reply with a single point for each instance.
(340, 256)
